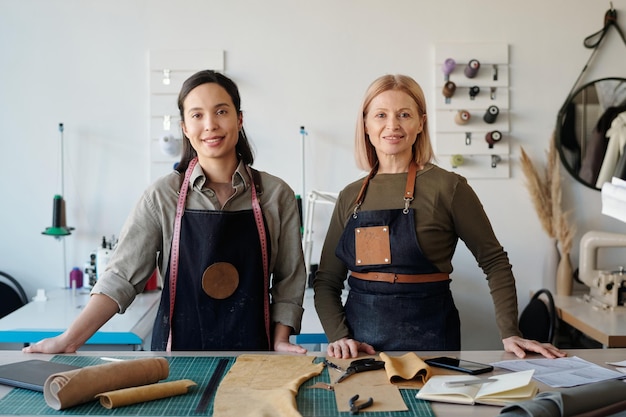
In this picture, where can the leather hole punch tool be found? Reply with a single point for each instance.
(361, 365)
(355, 408)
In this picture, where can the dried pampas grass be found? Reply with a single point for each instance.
(545, 192)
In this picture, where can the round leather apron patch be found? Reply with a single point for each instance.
(220, 280)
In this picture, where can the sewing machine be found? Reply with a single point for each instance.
(607, 289)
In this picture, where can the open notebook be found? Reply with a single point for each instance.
(31, 374)
(505, 389)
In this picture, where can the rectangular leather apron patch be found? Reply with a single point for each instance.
(372, 246)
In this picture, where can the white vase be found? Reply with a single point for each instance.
(550, 266)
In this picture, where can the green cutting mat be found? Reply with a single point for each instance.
(311, 402)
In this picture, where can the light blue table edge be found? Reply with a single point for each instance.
(100, 338)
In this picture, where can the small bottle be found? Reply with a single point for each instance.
(76, 278)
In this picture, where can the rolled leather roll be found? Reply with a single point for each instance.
(67, 389)
(134, 395)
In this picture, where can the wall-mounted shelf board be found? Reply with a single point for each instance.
(480, 158)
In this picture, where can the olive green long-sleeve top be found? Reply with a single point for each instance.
(446, 210)
(146, 239)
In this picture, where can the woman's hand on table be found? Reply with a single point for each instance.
(348, 348)
(287, 347)
(519, 346)
(56, 344)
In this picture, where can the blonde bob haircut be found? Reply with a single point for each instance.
(365, 153)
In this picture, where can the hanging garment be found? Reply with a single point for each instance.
(615, 147)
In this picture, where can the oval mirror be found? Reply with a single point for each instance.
(583, 134)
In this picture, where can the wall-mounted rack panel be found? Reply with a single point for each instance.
(168, 69)
(472, 111)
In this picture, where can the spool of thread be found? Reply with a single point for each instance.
(448, 89)
(493, 137)
(491, 114)
(57, 212)
(462, 117)
(58, 227)
(76, 278)
(456, 160)
(170, 146)
(473, 92)
(472, 68)
(448, 66)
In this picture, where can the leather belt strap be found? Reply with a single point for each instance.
(400, 278)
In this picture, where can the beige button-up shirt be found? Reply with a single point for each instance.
(145, 239)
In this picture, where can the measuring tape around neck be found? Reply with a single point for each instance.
(175, 251)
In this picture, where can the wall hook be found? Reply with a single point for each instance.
(495, 159)
(468, 138)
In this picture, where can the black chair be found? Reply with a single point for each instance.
(12, 295)
(538, 321)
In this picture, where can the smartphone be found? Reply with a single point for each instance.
(461, 365)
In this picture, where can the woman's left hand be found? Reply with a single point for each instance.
(519, 346)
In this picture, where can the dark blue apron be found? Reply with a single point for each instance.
(201, 322)
(397, 316)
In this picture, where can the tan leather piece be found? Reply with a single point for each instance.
(408, 370)
(264, 385)
(372, 245)
(220, 280)
(134, 395)
(67, 389)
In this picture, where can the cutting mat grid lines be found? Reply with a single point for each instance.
(311, 402)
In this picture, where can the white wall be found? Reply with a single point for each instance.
(85, 64)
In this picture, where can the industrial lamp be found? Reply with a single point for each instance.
(59, 227)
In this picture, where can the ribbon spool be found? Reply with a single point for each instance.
(473, 92)
(491, 114)
(456, 160)
(472, 68)
(462, 117)
(448, 89)
(447, 67)
(492, 137)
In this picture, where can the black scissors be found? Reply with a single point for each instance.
(361, 365)
(355, 408)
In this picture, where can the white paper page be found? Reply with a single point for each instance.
(562, 372)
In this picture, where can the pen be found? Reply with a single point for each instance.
(465, 382)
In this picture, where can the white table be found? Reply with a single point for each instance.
(606, 326)
(41, 319)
